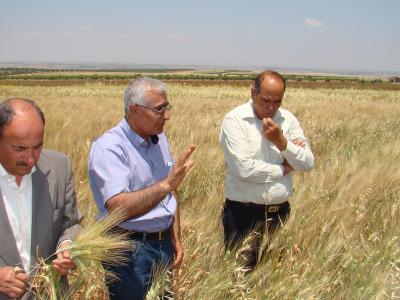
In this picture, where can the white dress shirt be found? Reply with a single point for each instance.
(18, 204)
(254, 164)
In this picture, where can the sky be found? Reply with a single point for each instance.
(353, 35)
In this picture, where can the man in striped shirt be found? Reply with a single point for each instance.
(131, 167)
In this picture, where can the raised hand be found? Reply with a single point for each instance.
(274, 134)
(180, 169)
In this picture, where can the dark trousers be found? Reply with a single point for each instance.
(240, 219)
(135, 278)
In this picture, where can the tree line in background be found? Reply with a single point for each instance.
(163, 74)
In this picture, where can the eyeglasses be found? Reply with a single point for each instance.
(159, 109)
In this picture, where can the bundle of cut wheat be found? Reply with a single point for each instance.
(95, 246)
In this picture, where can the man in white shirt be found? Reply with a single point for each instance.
(262, 145)
(37, 199)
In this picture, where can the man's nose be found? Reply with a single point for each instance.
(30, 158)
(30, 161)
(270, 106)
(167, 115)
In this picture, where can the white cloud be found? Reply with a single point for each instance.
(313, 23)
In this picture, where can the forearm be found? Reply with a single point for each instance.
(176, 223)
(69, 234)
(176, 235)
(253, 170)
(139, 202)
(136, 203)
(300, 158)
(240, 158)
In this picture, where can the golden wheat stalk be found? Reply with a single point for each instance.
(94, 246)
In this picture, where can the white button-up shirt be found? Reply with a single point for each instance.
(18, 204)
(254, 164)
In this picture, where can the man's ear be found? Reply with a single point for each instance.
(253, 92)
(133, 108)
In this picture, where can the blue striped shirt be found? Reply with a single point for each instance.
(121, 161)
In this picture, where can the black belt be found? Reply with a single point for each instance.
(155, 236)
(269, 208)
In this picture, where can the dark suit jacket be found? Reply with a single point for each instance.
(54, 211)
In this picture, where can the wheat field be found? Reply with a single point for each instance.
(343, 238)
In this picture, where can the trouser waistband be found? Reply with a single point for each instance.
(136, 235)
(268, 208)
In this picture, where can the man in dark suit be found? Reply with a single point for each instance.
(38, 210)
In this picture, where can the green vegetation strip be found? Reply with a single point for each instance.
(164, 74)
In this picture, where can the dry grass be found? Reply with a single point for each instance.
(343, 239)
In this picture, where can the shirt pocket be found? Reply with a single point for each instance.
(255, 143)
(162, 169)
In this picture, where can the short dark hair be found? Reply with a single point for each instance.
(260, 77)
(7, 112)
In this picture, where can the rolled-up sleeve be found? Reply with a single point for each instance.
(301, 159)
(109, 172)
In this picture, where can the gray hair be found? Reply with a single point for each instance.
(137, 89)
(7, 112)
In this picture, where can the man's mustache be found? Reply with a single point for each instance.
(21, 164)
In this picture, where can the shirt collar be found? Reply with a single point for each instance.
(248, 112)
(133, 137)
(3, 172)
(9, 177)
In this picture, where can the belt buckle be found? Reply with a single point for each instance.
(273, 208)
